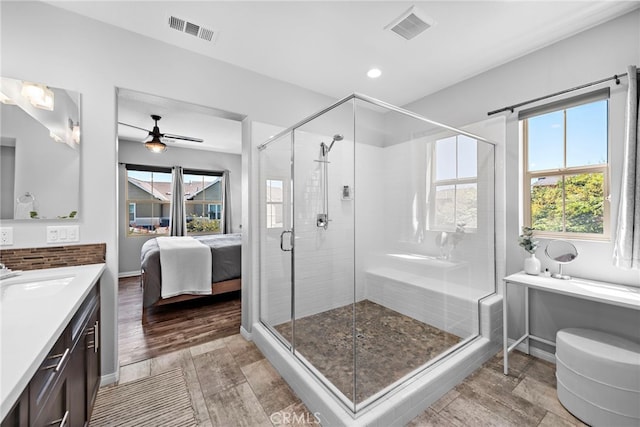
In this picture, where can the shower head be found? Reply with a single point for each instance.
(336, 137)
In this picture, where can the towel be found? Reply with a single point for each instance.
(185, 266)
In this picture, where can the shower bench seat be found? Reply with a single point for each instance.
(448, 306)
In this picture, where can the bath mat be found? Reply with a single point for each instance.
(158, 400)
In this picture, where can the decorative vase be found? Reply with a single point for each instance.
(532, 265)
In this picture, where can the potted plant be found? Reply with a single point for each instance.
(530, 244)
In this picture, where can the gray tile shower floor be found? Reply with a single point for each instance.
(388, 346)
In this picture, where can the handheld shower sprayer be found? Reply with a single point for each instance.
(322, 219)
(326, 148)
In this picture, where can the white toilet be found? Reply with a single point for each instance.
(598, 377)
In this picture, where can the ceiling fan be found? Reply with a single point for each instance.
(156, 143)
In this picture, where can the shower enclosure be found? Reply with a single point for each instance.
(376, 245)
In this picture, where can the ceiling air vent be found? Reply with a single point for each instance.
(176, 23)
(190, 28)
(410, 24)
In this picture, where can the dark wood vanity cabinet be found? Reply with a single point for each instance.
(63, 389)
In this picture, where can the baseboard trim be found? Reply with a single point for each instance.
(128, 274)
(111, 378)
(246, 334)
(535, 352)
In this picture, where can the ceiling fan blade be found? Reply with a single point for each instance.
(185, 138)
(132, 126)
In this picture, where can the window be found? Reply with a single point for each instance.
(132, 212)
(148, 194)
(203, 202)
(455, 183)
(275, 203)
(565, 167)
(149, 200)
(215, 211)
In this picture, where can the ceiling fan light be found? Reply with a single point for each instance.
(155, 145)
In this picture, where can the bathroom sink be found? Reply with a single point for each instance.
(34, 287)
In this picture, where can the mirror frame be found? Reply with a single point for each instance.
(572, 251)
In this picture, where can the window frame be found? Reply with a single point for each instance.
(268, 203)
(140, 202)
(455, 182)
(563, 172)
(207, 202)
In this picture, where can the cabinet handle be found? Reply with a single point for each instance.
(58, 365)
(96, 329)
(62, 421)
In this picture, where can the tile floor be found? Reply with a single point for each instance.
(326, 340)
(232, 384)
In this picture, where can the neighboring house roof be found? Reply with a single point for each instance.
(190, 193)
(546, 181)
(162, 190)
(158, 190)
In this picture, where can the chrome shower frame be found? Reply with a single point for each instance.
(322, 222)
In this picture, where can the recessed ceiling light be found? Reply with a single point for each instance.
(374, 73)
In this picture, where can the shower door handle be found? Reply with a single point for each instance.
(282, 241)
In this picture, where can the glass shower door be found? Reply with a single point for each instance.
(324, 249)
(276, 245)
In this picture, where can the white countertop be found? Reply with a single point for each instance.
(34, 311)
(610, 293)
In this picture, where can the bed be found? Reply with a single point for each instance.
(225, 269)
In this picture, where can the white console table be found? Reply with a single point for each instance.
(607, 293)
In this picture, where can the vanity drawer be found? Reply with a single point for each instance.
(48, 373)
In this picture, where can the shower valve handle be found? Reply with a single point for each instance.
(282, 241)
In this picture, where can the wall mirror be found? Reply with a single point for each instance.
(562, 252)
(39, 151)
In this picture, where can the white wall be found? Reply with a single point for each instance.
(592, 55)
(45, 44)
(135, 153)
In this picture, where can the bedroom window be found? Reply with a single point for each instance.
(455, 184)
(565, 147)
(275, 203)
(203, 201)
(148, 194)
(215, 211)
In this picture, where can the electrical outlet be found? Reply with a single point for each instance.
(52, 234)
(6, 236)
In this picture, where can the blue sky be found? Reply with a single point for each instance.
(586, 137)
(146, 176)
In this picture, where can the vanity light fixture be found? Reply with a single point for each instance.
(6, 100)
(374, 73)
(155, 145)
(39, 95)
(55, 137)
(75, 133)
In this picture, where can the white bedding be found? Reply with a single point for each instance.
(185, 266)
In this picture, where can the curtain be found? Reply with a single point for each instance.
(226, 203)
(178, 217)
(626, 252)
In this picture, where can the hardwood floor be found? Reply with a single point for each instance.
(172, 327)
